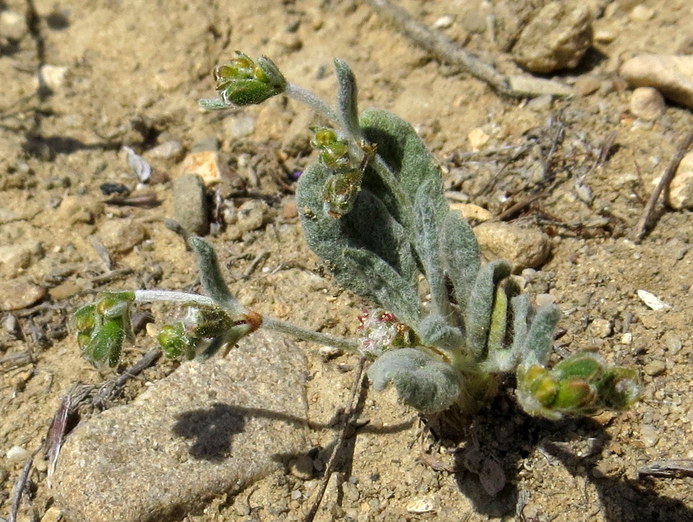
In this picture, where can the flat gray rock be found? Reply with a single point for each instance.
(207, 429)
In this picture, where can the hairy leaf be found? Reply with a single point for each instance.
(461, 256)
(421, 380)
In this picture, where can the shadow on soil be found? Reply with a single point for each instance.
(502, 437)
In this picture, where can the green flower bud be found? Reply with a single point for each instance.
(85, 319)
(584, 365)
(334, 153)
(175, 342)
(244, 82)
(340, 193)
(574, 395)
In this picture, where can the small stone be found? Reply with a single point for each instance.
(16, 294)
(586, 85)
(544, 299)
(302, 467)
(168, 150)
(655, 367)
(289, 209)
(251, 215)
(601, 328)
(444, 22)
(121, 235)
(627, 338)
(604, 35)
(556, 38)
(12, 25)
(17, 455)
(471, 212)
(53, 76)
(539, 87)
(672, 75)
(53, 514)
(673, 342)
(240, 126)
(206, 164)
(79, 209)
(646, 103)
(641, 13)
(681, 188)
(652, 301)
(207, 429)
(190, 204)
(478, 138)
(522, 247)
(14, 258)
(649, 435)
(64, 290)
(422, 505)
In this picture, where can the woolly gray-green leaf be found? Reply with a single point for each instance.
(421, 380)
(363, 269)
(539, 339)
(429, 212)
(461, 255)
(402, 150)
(211, 278)
(370, 228)
(435, 330)
(347, 97)
(480, 306)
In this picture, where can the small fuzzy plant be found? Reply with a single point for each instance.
(447, 327)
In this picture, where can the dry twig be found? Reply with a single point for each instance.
(446, 51)
(347, 424)
(645, 221)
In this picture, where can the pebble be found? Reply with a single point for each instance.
(206, 164)
(444, 22)
(17, 455)
(652, 301)
(206, 429)
(478, 138)
(121, 235)
(670, 74)
(421, 505)
(190, 204)
(240, 126)
(655, 367)
(540, 87)
(79, 209)
(681, 188)
(471, 212)
(249, 216)
(16, 294)
(586, 85)
(649, 435)
(12, 25)
(171, 149)
(641, 13)
(53, 76)
(601, 328)
(522, 247)
(65, 290)
(302, 467)
(673, 342)
(647, 103)
(289, 209)
(556, 38)
(17, 257)
(53, 514)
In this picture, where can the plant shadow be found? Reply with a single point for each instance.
(491, 450)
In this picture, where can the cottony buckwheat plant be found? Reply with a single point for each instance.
(372, 207)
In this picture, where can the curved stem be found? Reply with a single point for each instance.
(307, 97)
(310, 335)
(150, 296)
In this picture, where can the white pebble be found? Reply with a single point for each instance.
(652, 301)
(17, 454)
(647, 103)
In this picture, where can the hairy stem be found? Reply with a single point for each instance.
(302, 95)
(310, 335)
